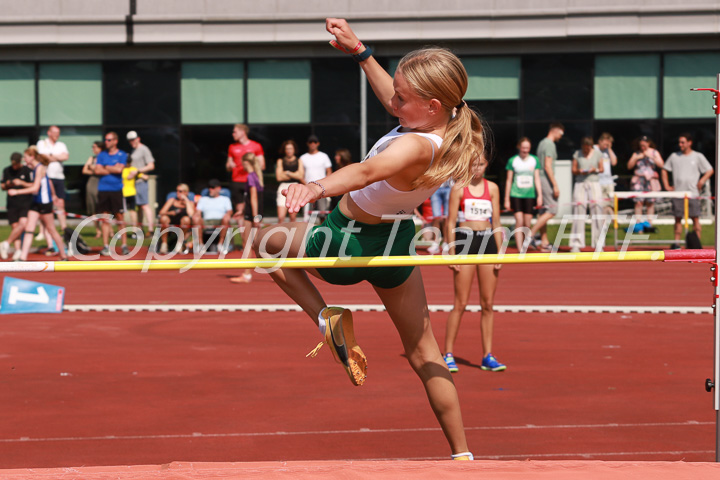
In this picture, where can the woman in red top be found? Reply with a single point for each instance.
(477, 208)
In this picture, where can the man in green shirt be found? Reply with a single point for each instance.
(547, 154)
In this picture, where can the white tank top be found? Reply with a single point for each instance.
(381, 198)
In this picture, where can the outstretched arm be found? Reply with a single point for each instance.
(405, 159)
(380, 81)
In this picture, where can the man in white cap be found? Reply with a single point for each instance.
(143, 160)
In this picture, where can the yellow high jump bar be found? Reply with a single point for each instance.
(706, 255)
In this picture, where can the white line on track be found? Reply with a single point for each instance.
(197, 435)
(626, 309)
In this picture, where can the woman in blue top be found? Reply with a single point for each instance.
(42, 206)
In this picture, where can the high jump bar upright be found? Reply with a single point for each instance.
(697, 256)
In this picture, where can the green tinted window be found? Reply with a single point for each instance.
(70, 94)
(627, 86)
(279, 91)
(78, 141)
(683, 72)
(17, 94)
(212, 92)
(496, 78)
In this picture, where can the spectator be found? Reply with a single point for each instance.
(690, 170)
(605, 178)
(130, 175)
(57, 152)
(547, 153)
(645, 164)
(317, 166)
(177, 211)
(214, 209)
(423, 213)
(587, 194)
(14, 177)
(253, 206)
(439, 202)
(523, 191)
(477, 207)
(109, 166)
(343, 158)
(42, 203)
(91, 188)
(288, 170)
(142, 159)
(236, 151)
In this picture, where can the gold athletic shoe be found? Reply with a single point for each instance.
(340, 337)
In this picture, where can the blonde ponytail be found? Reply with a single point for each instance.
(436, 73)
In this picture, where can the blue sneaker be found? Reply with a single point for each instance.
(491, 364)
(450, 362)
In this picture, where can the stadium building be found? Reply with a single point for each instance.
(182, 72)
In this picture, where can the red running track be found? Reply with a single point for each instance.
(152, 388)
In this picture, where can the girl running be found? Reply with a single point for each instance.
(42, 206)
(437, 139)
(479, 212)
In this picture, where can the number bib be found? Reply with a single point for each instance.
(524, 181)
(477, 209)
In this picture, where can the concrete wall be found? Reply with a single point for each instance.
(158, 22)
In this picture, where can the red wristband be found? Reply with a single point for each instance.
(357, 47)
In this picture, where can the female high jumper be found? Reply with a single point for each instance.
(438, 139)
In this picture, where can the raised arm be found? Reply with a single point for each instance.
(380, 81)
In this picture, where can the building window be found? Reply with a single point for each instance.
(627, 86)
(495, 78)
(684, 71)
(279, 91)
(17, 94)
(212, 93)
(70, 94)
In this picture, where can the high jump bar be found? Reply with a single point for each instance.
(697, 256)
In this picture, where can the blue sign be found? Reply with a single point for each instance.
(24, 296)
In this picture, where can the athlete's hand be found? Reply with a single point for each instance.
(11, 193)
(342, 32)
(297, 196)
(455, 268)
(498, 266)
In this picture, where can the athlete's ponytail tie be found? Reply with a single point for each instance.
(458, 107)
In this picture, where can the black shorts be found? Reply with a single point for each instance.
(129, 203)
(524, 205)
(42, 208)
(238, 192)
(59, 185)
(248, 207)
(470, 242)
(110, 202)
(15, 213)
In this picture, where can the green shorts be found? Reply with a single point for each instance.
(370, 241)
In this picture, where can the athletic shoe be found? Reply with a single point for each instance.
(491, 364)
(434, 249)
(40, 237)
(463, 456)
(125, 250)
(16, 255)
(575, 250)
(534, 244)
(105, 252)
(4, 250)
(51, 252)
(340, 337)
(450, 362)
(163, 248)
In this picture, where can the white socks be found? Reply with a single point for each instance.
(322, 325)
(464, 454)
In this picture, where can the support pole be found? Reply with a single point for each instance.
(716, 300)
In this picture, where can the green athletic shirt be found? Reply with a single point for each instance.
(523, 185)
